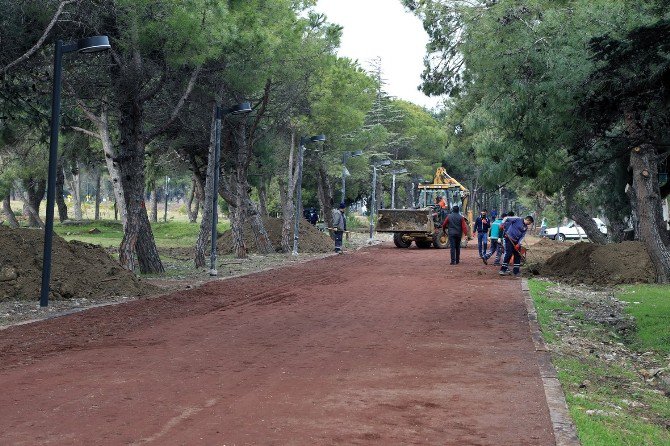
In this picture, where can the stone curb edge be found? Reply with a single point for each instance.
(565, 432)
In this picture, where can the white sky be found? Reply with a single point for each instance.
(382, 28)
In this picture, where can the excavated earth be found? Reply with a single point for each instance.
(612, 264)
(310, 239)
(79, 270)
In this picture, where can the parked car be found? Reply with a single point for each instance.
(571, 231)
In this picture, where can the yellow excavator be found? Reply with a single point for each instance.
(423, 225)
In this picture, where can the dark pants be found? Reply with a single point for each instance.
(509, 253)
(482, 243)
(495, 249)
(455, 245)
(338, 240)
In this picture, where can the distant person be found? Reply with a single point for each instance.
(442, 202)
(481, 229)
(454, 225)
(515, 230)
(312, 216)
(339, 226)
(495, 236)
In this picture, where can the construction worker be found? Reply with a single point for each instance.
(495, 235)
(454, 225)
(339, 226)
(515, 230)
(482, 226)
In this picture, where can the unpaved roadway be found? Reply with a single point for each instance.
(382, 346)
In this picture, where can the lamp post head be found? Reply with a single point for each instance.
(93, 44)
(384, 163)
(239, 109)
(357, 153)
(318, 138)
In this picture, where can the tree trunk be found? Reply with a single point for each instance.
(286, 194)
(154, 202)
(206, 222)
(35, 190)
(287, 215)
(325, 195)
(112, 167)
(646, 192)
(7, 210)
(74, 183)
(98, 181)
(138, 247)
(263, 198)
(581, 217)
(192, 213)
(60, 200)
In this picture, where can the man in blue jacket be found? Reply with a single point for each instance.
(482, 225)
(515, 230)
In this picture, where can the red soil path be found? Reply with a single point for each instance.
(383, 346)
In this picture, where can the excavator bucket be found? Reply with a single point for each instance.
(405, 220)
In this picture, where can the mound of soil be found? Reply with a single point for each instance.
(79, 270)
(310, 239)
(617, 263)
(540, 251)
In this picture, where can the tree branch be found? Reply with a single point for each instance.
(41, 40)
(175, 112)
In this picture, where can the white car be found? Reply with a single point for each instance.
(572, 231)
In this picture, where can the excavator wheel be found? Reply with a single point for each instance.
(400, 241)
(440, 240)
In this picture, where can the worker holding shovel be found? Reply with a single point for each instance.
(515, 230)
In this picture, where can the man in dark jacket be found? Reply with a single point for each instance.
(482, 225)
(339, 226)
(454, 225)
(515, 230)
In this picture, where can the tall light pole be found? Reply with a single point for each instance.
(239, 109)
(345, 172)
(374, 194)
(395, 172)
(86, 45)
(298, 201)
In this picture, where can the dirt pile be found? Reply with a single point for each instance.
(311, 239)
(540, 251)
(80, 270)
(617, 263)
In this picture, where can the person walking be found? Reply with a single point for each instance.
(515, 230)
(339, 226)
(495, 235)
(482, 226)
(454, 225)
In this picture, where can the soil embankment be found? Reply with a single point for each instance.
(310, 238)
(79, 270)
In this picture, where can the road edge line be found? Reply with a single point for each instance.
(565, 432)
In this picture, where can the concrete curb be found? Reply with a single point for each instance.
(565, 432)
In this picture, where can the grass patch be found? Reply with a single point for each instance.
(173, 234)
(650, 306)
(609, 401)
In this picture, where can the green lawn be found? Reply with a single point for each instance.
(609, 401)
(173, 234)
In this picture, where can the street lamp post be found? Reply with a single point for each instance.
(239, 109)
(167, 192)
(345, 172)
(374, 193)
(395, 172)
(86, 45)
(298, 214)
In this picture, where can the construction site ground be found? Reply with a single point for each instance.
(378, 346)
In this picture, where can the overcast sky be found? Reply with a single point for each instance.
(383, 28)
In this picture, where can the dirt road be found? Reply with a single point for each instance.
(384, 346)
